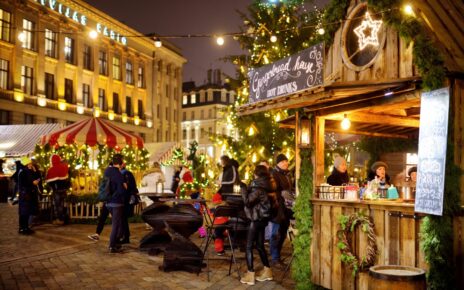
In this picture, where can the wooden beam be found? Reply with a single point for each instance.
(413, 111)
(377, 119)
(365, 133)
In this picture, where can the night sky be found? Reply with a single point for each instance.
(180, 17)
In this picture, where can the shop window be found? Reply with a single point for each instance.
(5, 25)
(51, 47)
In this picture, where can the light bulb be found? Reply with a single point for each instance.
(220, 40)
(408, 10)
(273, 38)
(158, 43)
(321, 31)
(346, 123)
(93, 34)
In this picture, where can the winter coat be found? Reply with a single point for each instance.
(283, 183)
(229, 179)
(337, 178)
(131, 184)
(256, 200)
(28, 192)
(117, 189)
(57, 175)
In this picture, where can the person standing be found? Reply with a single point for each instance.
(229, 175)
(258, 211)
(116, 203)
(175, 180)
(339, 174)
(128, 208)
(28, 191)
(281, 219)
(57, 179)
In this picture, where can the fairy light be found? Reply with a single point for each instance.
(220, 40)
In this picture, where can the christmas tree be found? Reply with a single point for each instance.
(272, 30)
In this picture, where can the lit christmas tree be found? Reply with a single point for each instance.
(272, 30)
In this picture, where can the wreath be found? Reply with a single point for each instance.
(348, 225)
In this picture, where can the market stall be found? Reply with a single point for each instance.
(369, 77)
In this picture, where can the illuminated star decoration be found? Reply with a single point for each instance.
(372, 28)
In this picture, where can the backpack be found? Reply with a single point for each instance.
(104, 189)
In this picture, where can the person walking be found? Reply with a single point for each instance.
(116, 203)
(28, 191)
(258, 211)
(57, 179)
(281, 219)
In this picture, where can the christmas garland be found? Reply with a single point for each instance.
(348, 225)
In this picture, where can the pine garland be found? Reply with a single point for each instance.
(301, 267)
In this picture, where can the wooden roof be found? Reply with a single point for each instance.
(445, 22)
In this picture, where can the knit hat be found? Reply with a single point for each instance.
(411, 170)
(281, 157)
(338, 161)
(378, 164)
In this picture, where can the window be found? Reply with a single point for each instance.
(167, 114)
(29, 119)
(141, 76)
(116, 68)
(5, 117)
(29, 34)
(50, 86)
(192, 115)
(116, 105)
(193, 99)
(210, 97)
(86, 96)
(87, 57)
(202, 115)
(26, 79)
(184, 134)
(50, 43)
(129, 106)
(223, 97)
(5, 24)
(102, 100)
(4, 71)
(141, 113)
(184, 116)
(129, 73)
(103, 63)
(50, 120)
(184, 100)
(202, 97)
(68, 91)
(210, 113)
(69, 50)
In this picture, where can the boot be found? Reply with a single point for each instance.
(248, 278)
(264, 275)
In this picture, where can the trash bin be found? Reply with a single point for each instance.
(387, 277)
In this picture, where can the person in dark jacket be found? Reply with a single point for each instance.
(175, 180)
(58, 180)
(229, 175)
(28, 191)
(128, 208)
(116, 203)
(281, 220)
(258, 211)
(379, 170)
(15, 178)
(339, 174)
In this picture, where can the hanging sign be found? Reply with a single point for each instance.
(288, 75)
(433, 133)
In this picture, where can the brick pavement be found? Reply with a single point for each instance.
(64, 258)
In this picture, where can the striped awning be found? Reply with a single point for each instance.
(91, 132)
(20, 140)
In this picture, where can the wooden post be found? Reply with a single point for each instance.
(297, 152)
(319, 140)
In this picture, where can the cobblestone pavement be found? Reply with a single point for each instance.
(62, 257)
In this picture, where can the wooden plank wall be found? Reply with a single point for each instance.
(394, 60)
(397, 240)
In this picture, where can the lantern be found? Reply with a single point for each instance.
(305, 131)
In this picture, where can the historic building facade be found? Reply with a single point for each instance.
(64, 60)
(204, 113)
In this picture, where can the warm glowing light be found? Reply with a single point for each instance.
(247, 175)
(149, 123)
(93, 34)
(62, 105)
(124, 118)
(19, 97)
(136, 120)
(408, 10)
(371, 27)
(251, 131)
(220, 40)
(22, 36)
(346, 123)
(158, 43)
(111, 115)
(273, 38)
(41, 101)
(96, 112)
(254, 158)
(277, 117)
(321, 31)
(80, 109)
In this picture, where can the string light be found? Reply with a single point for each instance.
(273, 38)
(373, 27)
(220, 40)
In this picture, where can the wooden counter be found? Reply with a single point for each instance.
(396, 228)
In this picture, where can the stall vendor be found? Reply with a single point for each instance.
(339, 174)
(412, 172)
(379, 170)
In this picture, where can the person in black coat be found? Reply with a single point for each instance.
(258, 211)
(28, 192)
(128, 208)
(339, 174)
(229, 175)
(175, 180)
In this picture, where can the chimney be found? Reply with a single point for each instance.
(209, 75)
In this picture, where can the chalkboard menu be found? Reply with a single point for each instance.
(288, 75)
(431, 164)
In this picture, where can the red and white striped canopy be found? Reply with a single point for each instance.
(91, 132)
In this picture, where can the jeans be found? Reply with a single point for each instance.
(279, 232)
(117, 213)
(256, 236)
(125, 235)
(102, 219)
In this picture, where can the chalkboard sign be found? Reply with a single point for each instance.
(431, 164)
(288, 75)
